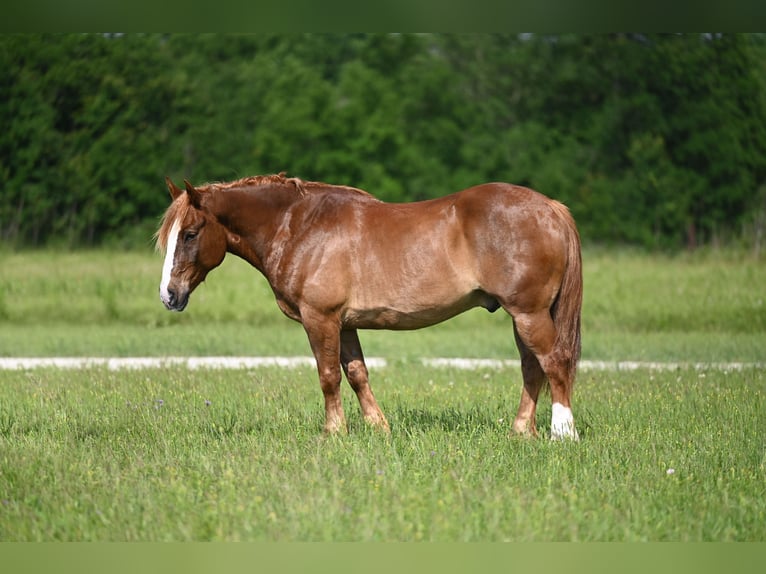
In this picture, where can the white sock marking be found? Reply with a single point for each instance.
(562, 423)
(170, 255)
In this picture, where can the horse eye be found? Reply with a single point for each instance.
(190, 236)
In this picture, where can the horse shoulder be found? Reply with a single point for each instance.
(307, 258)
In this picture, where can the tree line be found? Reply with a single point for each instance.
(652, 140)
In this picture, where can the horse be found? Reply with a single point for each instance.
(338, 260)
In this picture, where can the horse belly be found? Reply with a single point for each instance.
(407, 314)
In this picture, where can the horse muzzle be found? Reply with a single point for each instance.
(174, 299)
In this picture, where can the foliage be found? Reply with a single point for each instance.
(655, 140)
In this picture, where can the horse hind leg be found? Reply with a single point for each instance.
(534, 378)
(537, 333)
(352, 361)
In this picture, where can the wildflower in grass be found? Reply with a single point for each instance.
(670, 471)
(207, 403)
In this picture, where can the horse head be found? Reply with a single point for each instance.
(194, 243)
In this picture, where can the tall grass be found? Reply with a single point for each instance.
(636, 306)
(174, 454)
(238, 455)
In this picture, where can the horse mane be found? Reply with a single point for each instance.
(302, 186)
(180, 207)
(252, 181)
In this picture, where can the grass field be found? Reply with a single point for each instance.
(239, 455)
(636, 307)
(175, 454)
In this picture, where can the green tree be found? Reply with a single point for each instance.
(656, 140)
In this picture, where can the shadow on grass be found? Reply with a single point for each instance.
(447, 419)
(476, 419)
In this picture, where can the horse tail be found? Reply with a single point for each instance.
(567, 307)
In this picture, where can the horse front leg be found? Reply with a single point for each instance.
(324, 338)
(352, 361)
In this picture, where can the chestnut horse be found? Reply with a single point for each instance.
(339, 260)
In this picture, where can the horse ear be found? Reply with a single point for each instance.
(194, 195)
(174, 190)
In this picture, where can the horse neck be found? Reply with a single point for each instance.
(252, 217)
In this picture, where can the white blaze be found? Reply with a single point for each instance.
(562, 423)
(170, 255)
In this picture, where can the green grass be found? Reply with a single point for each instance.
(178, 454)
(636, 307)
(238, 455)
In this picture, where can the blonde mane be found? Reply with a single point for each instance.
(180, 207)
(277, 179)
